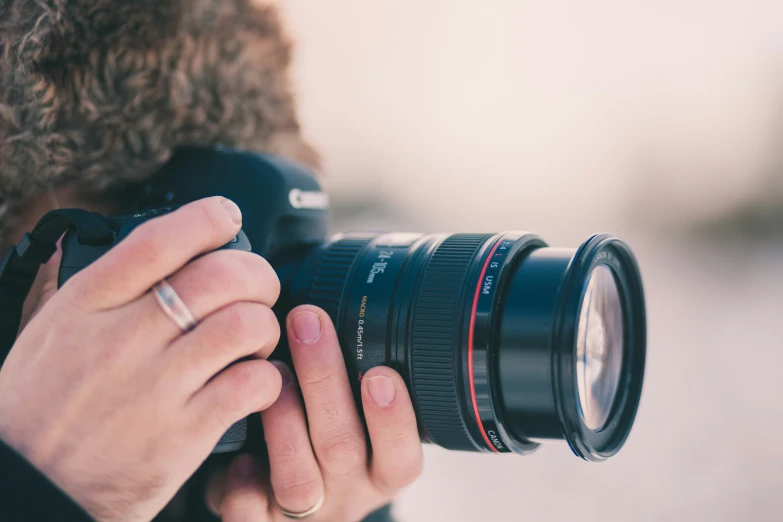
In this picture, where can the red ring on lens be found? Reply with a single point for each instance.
(471, 332)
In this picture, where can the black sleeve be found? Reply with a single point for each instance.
(189, 503)
(26, 494)
(382, 515)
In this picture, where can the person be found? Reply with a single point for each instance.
(107, 403)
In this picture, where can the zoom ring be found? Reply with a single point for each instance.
(331, 274)
(435, 353)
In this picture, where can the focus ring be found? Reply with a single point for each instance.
(435, 355)
(331, 273)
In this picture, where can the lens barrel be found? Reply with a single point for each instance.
(484, 330)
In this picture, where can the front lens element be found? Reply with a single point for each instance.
(599, 348)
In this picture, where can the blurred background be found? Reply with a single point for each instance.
(661, 122)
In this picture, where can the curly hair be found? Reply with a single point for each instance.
(96, 92)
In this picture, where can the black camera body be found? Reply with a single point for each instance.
(502, 342)
(77, 255)
(283, 207)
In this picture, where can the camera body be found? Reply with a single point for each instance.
(503, 342)
(283, 205)
(284, 212)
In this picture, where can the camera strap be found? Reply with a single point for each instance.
(21, 263)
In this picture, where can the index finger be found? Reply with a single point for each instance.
(155, 250)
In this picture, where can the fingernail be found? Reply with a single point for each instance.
(382, 390)
(245, 466)
(232, 210)
(307, 327)
(285, 373)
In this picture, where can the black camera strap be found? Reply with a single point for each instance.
(21, 263)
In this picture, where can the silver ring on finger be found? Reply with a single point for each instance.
(173, 305)
(304, 514)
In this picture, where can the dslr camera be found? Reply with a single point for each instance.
(503, 341)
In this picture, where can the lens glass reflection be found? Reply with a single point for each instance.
(599, 347)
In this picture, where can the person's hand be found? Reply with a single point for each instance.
(106, 396)
(318, 450)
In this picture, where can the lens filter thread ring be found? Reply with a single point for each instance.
(598, 445)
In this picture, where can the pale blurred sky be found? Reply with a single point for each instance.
(565, 108)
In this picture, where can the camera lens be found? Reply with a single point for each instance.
(502, 341)
(599, 347)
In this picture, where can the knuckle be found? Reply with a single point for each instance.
(398, 476)
(249, 267)
(215, 336)
(342, 454)
(218, 271)
(272, 330)
(269, 341)
(240, 323)
(243, 320)
(267, 278)
(242, 327)
(210, 338)
(242, 505)
(283, 452)
(147, 245)
(265, 327)
(239, 276)
(397, 440)
(331, 410)
(216, 274)
(204, 424)
(238, 391)
(298, 488)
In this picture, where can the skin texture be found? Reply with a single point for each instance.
(104, 394)
(107, 397)
(316, 442)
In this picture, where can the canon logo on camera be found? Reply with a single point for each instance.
(310, 200)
